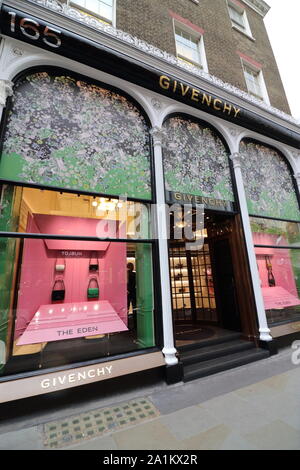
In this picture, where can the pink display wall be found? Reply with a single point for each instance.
(281, 264)
(40, 257)
(284, 293)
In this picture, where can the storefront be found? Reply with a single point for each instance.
(95, 146)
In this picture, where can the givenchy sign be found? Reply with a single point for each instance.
(208, 202)
(77, 376)
(198, 96)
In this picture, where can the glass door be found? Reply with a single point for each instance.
(193, 293)
(180, 280)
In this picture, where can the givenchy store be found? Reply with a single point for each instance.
(94, 144)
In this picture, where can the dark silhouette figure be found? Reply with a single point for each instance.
(131, 291)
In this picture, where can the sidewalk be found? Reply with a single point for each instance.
(256, 406)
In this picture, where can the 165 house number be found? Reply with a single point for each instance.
(33, 30)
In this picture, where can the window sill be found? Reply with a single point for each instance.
(189, 62)
(261, 98)
(243, 33)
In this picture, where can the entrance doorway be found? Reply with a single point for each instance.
(204, 287)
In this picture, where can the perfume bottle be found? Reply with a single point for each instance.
(271, 278)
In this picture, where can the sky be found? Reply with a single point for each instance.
(282, 23)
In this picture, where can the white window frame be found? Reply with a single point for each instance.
(242, 12)
(260, 79)
(200, 40)
(74, 4)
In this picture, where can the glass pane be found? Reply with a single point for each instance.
(61, 303)
(56, 213)
(93, 5)
(187, 46)
(279, 271)
(275, 232)
(236, 17)
(252, 82)
(80, 3)
(105, 11)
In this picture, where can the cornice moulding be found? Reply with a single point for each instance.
(122, 42)
(259, 6)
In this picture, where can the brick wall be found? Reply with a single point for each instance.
(151, 21)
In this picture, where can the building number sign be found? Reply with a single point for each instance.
(33, 30)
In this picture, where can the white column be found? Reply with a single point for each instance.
(169, 350)
(264, 330)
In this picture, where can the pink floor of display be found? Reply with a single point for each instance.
(277, 298)
(57, 322)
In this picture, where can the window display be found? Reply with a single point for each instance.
(279, 268)
(68, 289)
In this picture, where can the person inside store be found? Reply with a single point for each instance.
(131, 292)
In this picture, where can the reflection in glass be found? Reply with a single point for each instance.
(279, 271)
(51, 318)
(275, 232)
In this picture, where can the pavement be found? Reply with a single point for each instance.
(256, 406)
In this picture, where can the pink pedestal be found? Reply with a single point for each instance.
(278, 297)
(57, 322)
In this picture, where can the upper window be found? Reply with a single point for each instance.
(252, 81)
(255, 82)
(104, 9)
(238, 17)
(190, 47)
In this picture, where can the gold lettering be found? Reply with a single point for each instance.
(184, 90)
(218, 202)
(206, 99)
(189, 197)
(178, 196)
(197, 199)
(236, 110)
(195, 95)
(164, 82)
(205, 200)
(227, 107)
(174, 86)
(215, 104)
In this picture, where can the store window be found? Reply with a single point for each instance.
(65, 131)
(275, 223)
(76, 278)
(196, 160)
(104, 9)
(277, 248)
